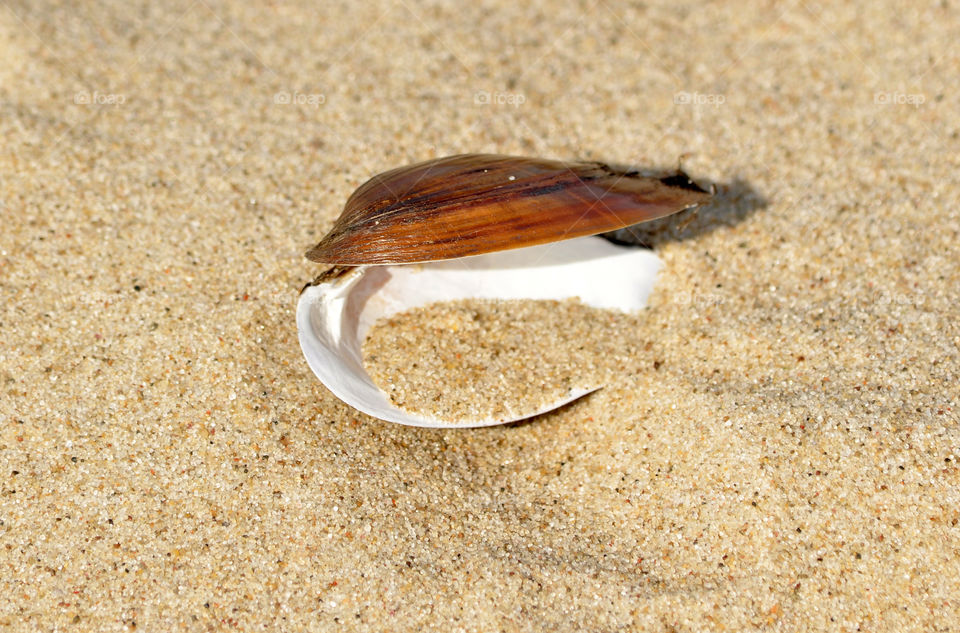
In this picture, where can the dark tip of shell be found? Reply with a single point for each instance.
(683, 181)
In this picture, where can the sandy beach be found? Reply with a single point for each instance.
(776, 446)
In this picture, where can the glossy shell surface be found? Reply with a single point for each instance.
(481, 203)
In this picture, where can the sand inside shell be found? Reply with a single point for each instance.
(480, 358)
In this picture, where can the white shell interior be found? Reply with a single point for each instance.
(334, 318)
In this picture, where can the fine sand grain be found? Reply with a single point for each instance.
(479, 359)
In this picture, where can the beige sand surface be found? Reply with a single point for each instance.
(784, 459)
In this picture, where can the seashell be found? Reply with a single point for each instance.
(335, 313)
(482, 203)
(474, 206)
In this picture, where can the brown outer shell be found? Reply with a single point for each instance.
(480, 203)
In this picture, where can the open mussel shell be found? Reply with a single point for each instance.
(478, 207)
(482, 203)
